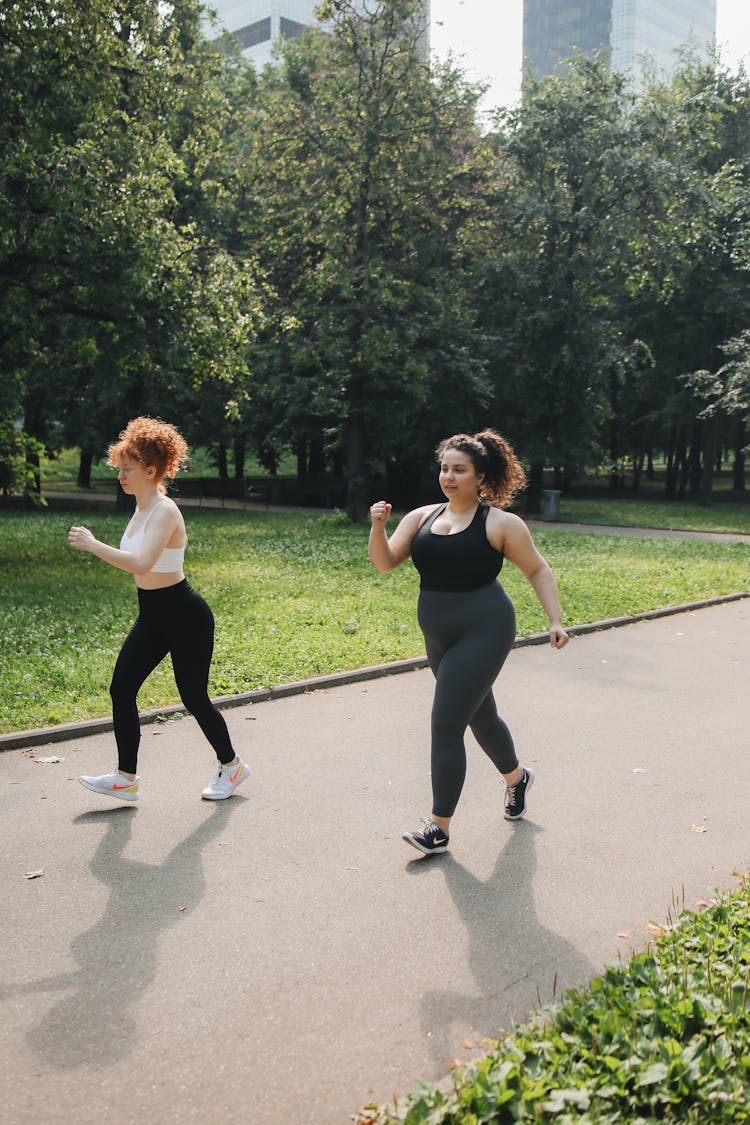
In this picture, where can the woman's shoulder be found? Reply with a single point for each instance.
(500, 517)
(419, 515)
(502, 525)
(168, 511)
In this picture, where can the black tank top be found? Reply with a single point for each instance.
(465, 560)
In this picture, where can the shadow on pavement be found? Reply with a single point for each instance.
(94, 1022)
(517, 962)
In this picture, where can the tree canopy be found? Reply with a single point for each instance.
(333, 258)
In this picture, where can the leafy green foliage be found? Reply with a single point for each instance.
(371, 177)
(619, 267)
(294, 596)
(117, 281)
(332, 260)
(697, 244)
(16, 451)
(665, 1037)
(562, 236)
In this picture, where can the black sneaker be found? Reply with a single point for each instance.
(515, 795)
(430, 840)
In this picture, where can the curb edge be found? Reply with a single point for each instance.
(43, 735)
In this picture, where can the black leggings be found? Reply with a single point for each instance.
(175, 620)
(467, 635)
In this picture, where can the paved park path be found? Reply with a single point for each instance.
(256, 506)
(281, 958)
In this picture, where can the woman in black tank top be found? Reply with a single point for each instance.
(466, 617)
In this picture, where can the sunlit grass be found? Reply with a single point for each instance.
(293, 595)
(725, 515)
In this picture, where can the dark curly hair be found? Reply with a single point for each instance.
(152, 442)
(494, 456)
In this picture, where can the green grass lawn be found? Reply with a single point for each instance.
(726, 515)
(293, 595)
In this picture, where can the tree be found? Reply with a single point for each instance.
(551, 285)
(116, 286)
(370, 175)
(690, 292)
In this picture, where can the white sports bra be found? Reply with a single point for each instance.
(169, 561)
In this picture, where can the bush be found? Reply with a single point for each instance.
(663, 1038)
(16, 471)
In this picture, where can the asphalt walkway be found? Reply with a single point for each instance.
(281, 958)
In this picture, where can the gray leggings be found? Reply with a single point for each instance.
(467, 635)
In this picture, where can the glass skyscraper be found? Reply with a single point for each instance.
(257, 24)
(631, 30)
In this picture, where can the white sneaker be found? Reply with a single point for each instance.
(226, 781)
(113, 784)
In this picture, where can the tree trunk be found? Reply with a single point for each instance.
(268, 457)
(710, 433)
(615, 477)
(696, 444)
(637, 470)
(301, 457)
(34, 426)
(35, 473)
(535, 486)
(681, 462)
(238, 451)
(670, 490)
(650, 474)
(221, 460)
(356, 501)
(316, 464)
(738, 465)
(84, 468)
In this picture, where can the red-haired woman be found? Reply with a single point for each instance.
(467, 619)
(172, 617)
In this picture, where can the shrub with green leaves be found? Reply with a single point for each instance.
(665, 1037)
(16, 469)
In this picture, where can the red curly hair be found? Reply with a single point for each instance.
(153, 443)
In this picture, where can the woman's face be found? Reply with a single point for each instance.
(134, 475)
(459, 478)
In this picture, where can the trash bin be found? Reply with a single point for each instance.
(551, 504)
